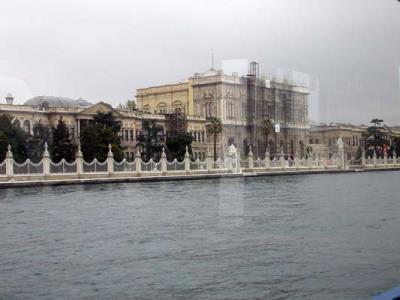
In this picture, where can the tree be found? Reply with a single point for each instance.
(151, 140)
(268, 127)
(41, 135)
(176, 145)
(376, 138)
(14, 136)
(62, 146)
(128, 105)
(95, 138)
(214, 128)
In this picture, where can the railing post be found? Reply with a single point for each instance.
(79, 161)
(267, 161)
(110, 160)
(385, 158)
(363, 161)
(394, 157)
(251, 159)
(187, 160)
(163, 162)
(282, 159)
(374, 159)
(138, 162)
(296, 161)
(9, 163)
(209, 159)
(229, 162)
(237, 157)
(46, 161)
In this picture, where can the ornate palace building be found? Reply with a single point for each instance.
(241, 103)
(76, 113)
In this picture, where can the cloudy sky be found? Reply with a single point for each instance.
(104, 50)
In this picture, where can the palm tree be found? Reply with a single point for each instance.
(214, 127)
(267, 126)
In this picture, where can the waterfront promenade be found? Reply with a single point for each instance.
(46, 172)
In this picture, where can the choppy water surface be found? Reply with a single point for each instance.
(298, 237)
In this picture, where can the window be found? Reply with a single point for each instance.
(131, 135)
(208, 109)
(126, 135)
(27, 126)
(230, 110)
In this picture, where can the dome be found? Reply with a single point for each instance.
(52, 101)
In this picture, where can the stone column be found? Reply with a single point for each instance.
(79, 161)
(9, 163)
(251, 159)
(138, 162)
(110, 160)
(163, 162)
(267, 161)
(187, 160)
(46, 161)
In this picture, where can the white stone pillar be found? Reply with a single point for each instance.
(46, 160)
(385, 157)
(296, 162)
(187, 160)
(9, 163)
(163, 162)
(267, 161)
(79, 161)
(237, 157)
(110, 160)
(394, 157)
(138, 162)
(209, 160)
(341, 154)
(363, 161)
(251, 159)
(374, 159)
(282, 159)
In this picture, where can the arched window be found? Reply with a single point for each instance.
(17, 123)
(292, 147)
(146, 108)
(301, 143)
(162, 108)
(27, 126)
(178, 106)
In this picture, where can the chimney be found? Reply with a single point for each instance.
(9, 99)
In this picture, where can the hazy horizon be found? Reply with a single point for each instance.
(104, 51)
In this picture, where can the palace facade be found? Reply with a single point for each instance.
(241, 103)
(324, 137)
(76, 113)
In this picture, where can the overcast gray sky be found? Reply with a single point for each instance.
(104, 50)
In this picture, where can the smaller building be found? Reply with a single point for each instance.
(324, 137)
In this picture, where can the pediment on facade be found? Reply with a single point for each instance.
(101, 107)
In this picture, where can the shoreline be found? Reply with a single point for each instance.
(179, 177)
